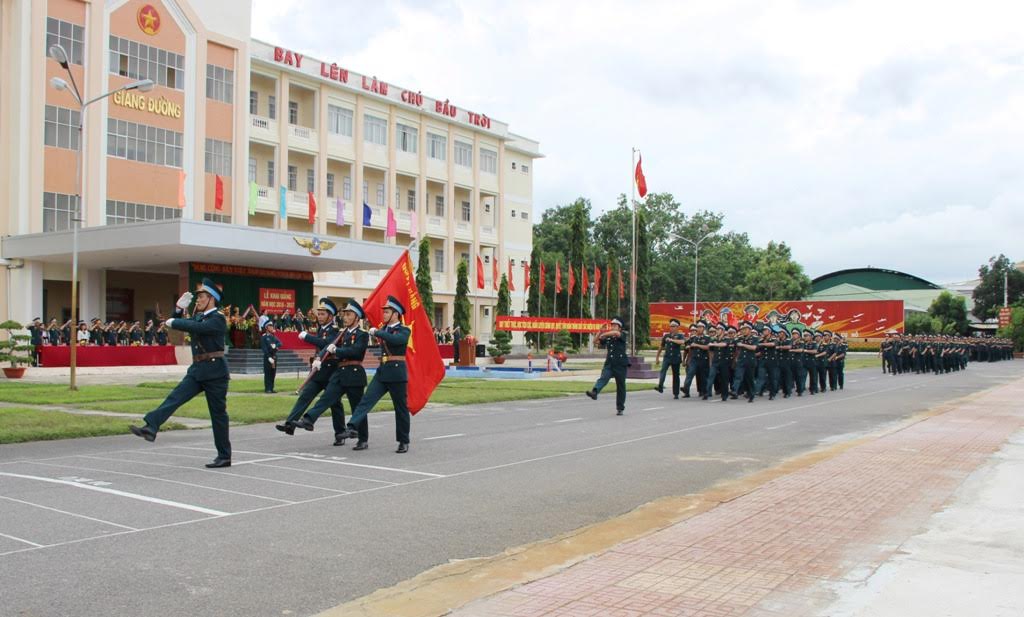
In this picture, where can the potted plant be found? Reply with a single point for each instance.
(501, 346)
(15, 349)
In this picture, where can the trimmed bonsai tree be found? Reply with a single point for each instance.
(501, 340)
(16, 349)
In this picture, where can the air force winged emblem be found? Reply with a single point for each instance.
(314, 246)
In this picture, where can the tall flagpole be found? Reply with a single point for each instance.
(632, 278)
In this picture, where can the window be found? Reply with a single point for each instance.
(216, 218)
(407, 137)
(123, 212)
(437, 147)
(439, 205)
(293, 112)
(513, 165)
(330, 185)
(146, 144)
(254, 103)
(488, 161)
(270, 173)
(438, 260)
(487, 208)
(293, 178)
(252, 169)
(513, 214)
(60, 127)
(68, 35)
(411, 200)
(271, 106)
(346, 188)
(310, 181)
(339, 120)
(220, 84)
(463, 154)
(525, 169)
(524, 214)
(59, 210)
(218, 157)
(466, 212)
(366, 191)
(375, 130)
(464, 257)
(380, 193)
(139, 61)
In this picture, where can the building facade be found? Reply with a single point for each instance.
(215, 169)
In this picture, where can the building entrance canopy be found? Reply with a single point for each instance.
(161, 246)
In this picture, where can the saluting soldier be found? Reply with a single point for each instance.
(208, 373)
(392, 375)
(269, 344)
(323, 369)
(672, 345)
(616, 362)
(349, 379)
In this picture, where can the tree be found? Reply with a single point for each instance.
(950, 313)
(988, 295)
(1015, 331)
(533, 300)
(461, 314)
(579, 239)
(423, 281)
(501, 340)
(775, 276)
(643, 280)
(918, 323)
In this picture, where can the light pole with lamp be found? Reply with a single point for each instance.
(696, 251)
(143, 85)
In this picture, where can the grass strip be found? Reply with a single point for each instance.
(18, 424)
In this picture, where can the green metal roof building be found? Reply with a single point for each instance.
(878, 284)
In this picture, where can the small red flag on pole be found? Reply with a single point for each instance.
(526, 276)
(558, 277)
(479, 272)
(543, 275)
(494, 272)
(218, 193)
(641, 182)
(622, 288)
(312, 209)
(511, 282)
(597, 280)
(572, 279)
(584, 283)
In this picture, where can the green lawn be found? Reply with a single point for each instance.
(58, 394)
(18, 424)
(863, 362)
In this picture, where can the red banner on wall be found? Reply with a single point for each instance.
(277, 300)
(851, 318)
(1005, 314)
(548, 324)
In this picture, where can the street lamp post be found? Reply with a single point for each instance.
(143, 85)
(696, 252)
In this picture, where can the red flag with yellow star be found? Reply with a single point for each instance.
(422, 357)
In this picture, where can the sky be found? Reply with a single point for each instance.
(861, 133)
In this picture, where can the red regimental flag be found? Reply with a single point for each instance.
(641, 182)
(622, 288)
(584, 284)
(479, 272)
(312, 209)
(422, 357)
(597, 280)
(558, 278)
(543, 275)
(572, 279)
(526, 276)
(511, 281)
(218, 193)
(494, 272)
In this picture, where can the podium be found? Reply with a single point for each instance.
(467, 351)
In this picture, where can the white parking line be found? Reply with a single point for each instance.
(444, 436)
(4, 535)
(566, 420)
(772, 428)
(299, 457)
(88, 518)
(652, 409)
(111, 491)
(258, 460)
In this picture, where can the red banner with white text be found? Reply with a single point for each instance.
(548, 324)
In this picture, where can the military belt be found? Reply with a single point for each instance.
(350, 363)
(387, 358)
(203, 357)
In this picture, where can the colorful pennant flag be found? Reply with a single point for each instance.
(597, 280)
(511, 281)
(218, 193)
(284, 203)
(254, 193)
(339, 212)
(367, 215)
(558, 277)
(392, 228)
(312, 208)
(526, 276)
(540, 279)
(494, 272)
(479, 272)
(584, 283)
(622, 288)
(572, 279)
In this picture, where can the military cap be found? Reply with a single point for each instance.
(208, 286)
(354, 307)
(673, 322)
(326, 304)
(393, 304)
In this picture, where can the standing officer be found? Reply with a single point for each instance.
(35, 332)
(322, 370)
(615, 364)
(698, 364)
(269, 343)
(672, 344)
(349, 379)
(746, 363)
(392, 375)
(208, 373)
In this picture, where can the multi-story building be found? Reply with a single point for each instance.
(213, 170)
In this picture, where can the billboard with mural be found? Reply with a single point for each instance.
(852, 318)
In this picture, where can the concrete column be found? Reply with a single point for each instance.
(324, 205)
(281, 154)
(92, 294)
(25, 292)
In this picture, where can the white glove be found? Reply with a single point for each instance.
(271, 361)
(184, 300)
(273, 346)
(373, 331)
(302, 335)
(169, 323)
(316, 364)
(332, 348)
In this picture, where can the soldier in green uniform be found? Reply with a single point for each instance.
(323, 368)
(810, 364)
(208, 373)
(698, 363)
(830, 362)
(349, 379)
(783, 347)
(840, 359)
(796, 352)
(392, 375)
(672, 345)
(723, 354)
(767, 365)
(615, 364)
(746, 363)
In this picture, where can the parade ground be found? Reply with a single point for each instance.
(804, 506)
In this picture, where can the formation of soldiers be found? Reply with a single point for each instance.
(751, 360)
(97, 333)
(939, 354)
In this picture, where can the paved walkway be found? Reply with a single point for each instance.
(858, 534)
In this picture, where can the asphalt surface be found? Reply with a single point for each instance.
(117, 526)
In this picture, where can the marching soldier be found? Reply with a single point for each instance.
(723, 351)
(840, 359)
(269, 343)
(671, 344)
(810, 364)
(615, 364)
(746, 363)
(321, 374)
(208, 373)
(391, 377)
(698, 363)
(349, 379)
(783, 347)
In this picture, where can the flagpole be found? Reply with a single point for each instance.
(632, 278)
(554, 306)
